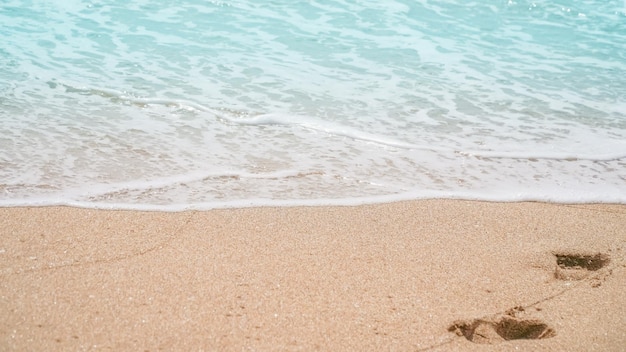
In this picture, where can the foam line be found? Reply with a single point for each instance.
(545, 156)
(331, 128)
(346, 131)
(580, 198)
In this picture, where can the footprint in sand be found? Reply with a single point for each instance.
(577, 266)
(502, 328)
(569, 266)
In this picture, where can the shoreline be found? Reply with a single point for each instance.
(408, 275)
(615, 200)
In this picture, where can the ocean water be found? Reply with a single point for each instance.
(198, 104)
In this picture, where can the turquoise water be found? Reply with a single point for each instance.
(203, 104)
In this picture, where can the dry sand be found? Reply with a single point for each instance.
(407, 276)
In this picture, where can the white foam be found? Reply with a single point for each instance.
(610, 197)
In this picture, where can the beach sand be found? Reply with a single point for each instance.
(436, 275)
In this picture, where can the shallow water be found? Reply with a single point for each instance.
(150, 105)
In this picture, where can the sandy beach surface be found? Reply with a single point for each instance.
(435, 275)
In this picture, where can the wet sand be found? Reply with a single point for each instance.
(436, 275)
